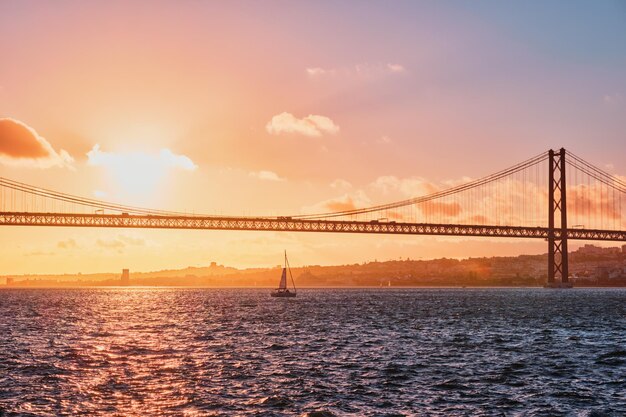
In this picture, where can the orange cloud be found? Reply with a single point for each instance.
(21, 145)
(120, 242)
(346, 202)
(67, 244)
(593, 201)
(110, 244)
(478, 219)
(395, 215)
(130, 240)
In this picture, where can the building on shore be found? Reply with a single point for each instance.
(125, 280)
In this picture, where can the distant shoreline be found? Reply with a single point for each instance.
(589, 266)
(468, 287)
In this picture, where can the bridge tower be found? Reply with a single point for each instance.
(557, 237)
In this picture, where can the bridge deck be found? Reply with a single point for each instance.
(286, 224)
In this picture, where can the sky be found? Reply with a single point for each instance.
(277, 107)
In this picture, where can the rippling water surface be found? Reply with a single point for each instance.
(149, 351)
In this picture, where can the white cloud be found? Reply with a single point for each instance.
(453, 183)
(409, 187)
(384, 189)
(164, 159)
(311, 125)
(340, 184)
(266, 176)
(364, 71)
(396, 68)
(384, 140)
(177, 161)
(318, 71)
(615, 98)
(387, 189)
(139, 172)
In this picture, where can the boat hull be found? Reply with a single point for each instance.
(283, 294)
(558, 285)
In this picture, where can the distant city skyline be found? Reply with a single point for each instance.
(282, 108)
(593, 266)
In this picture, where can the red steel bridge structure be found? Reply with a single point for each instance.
(556, 196)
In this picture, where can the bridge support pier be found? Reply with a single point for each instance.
(557, 237)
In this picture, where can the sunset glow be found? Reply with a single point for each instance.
(312, 208)
(280, 109)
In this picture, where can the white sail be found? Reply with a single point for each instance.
(282, 290)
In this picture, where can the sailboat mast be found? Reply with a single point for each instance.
(290, 274)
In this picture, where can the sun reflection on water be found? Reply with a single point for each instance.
(153, 351)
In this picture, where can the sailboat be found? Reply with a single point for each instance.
(282, 290)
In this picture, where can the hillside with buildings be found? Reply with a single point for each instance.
(589, 266)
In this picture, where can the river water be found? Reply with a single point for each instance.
(348, 352)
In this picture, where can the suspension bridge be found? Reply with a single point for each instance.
(556, 196)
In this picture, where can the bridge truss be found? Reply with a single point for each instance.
(298, 225)
(533, 199)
